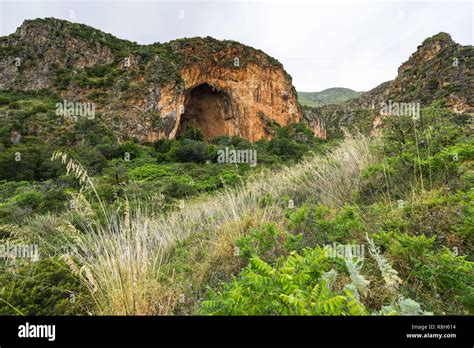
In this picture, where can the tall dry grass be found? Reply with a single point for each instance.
(120, 260)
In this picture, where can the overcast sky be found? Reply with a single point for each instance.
(322, 44)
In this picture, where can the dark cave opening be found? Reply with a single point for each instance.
(208, 109)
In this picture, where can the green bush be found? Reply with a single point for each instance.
(285, 147)
(431, 148)
(29, 199)
(53, 200)
(28, 161)
(266, 242)
(191, 133)
(177, 188)
(432, 274)
(45, 287)
(192, 151)
(322, 225)
(132, 149)
(151, 172)
(299, 286)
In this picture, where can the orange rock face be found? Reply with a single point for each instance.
(319, 129)
(227, 100)
(153, 91)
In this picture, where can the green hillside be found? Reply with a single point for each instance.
(334, 95)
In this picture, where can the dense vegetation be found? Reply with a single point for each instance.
(30, 183)
(211, 238)
(36, 193)
(414, 210)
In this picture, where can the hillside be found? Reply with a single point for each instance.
(241, 209)
(334, 95)
(439, 69)
(147, 92)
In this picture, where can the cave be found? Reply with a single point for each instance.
(209, 109)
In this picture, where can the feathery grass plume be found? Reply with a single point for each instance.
(120, 263)
(80, 173)
(47, 231)
(10, 229)
(389, 275)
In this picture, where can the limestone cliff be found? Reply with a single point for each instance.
(153, 91)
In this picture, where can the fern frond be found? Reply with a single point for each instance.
(315, 292)
(333, 305)
(262, 266)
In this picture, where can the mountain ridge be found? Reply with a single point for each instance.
(332, 95)
(142, 91)
(440, 69)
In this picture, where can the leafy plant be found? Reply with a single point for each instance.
(296, 287)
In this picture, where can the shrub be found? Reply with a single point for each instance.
(299, 286)
(131, 148)
(178, 189)
(439, 276)
(191, 133)
(91, 158)
(29, 199)
(45, 287)
(53, 200)
(321, 224)
(266, 242)
(28, 161)
(285, 147)
(151, 172)
(192, 151)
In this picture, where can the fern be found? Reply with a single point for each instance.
(333, 305)
(315, 292)
(355, 307)
(262, 266)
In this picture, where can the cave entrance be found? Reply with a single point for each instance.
(208, 109)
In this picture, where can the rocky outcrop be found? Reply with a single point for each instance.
(439, 69)
(30, 57)
(154, 91)
(315, 122)
(229, 87)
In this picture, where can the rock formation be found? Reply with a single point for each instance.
(440, 68)
(150, 92)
